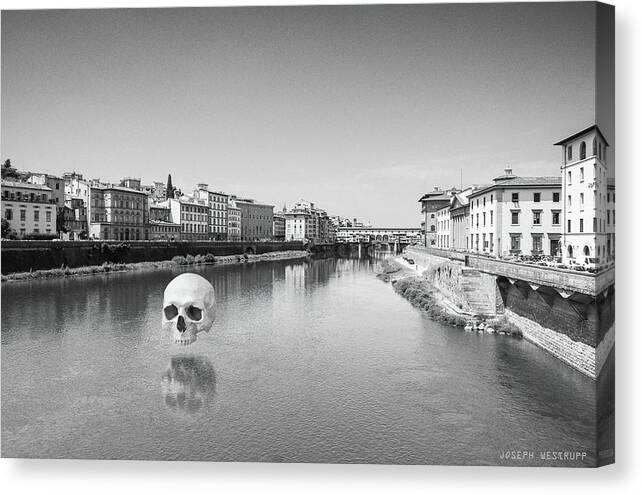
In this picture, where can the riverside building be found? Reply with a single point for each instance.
(256, 220)
(28, 208)
(589, 199)
(432, 202)
(217, 216)
(118, 213)
(516, 215)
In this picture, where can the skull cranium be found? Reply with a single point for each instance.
(188, 307)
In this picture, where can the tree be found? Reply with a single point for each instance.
(7, 231)
(169, 193)
(8, 172)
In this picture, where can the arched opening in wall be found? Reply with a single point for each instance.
(432, 242)
(594, 147)
(385, 237)
(432, 229)
(249, 250)
(569, 153)
(570, 251)
(608, 247)
(582, 150)
(378, 237)
(587, 251)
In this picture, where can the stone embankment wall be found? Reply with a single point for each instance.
(23, 256)
(472, 291)
(578, 330)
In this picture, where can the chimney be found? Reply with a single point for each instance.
(508, 170)
(436, 188)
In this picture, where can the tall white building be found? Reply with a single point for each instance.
(589, 200)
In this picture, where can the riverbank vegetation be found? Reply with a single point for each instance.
(107, 267)
(421, 294)
(387, 270)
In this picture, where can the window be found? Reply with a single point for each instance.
(48, 216)
(537, 218)
(514, 243)
(569, 152)
(581, 225)
(484, 217)
(608, 217)
(582, 150)
(568, 228)
(556, 197)
(8, 214)
(36, 216)
(569, 201)
(556, 218)
(581, 174)
(537, 243)
(491, 199)
(568, 178)
(491, 218)
(23, 215)
(515, 197)
(581, 200)
(594, 224)
(594, 147)
(484, 200)
(514, 216)
(537, 197)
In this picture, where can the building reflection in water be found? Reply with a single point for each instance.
(188, 384)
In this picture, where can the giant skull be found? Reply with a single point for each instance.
(188, 307)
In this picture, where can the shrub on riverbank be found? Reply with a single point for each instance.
(421, 295)
(107, 267)
(501, 325)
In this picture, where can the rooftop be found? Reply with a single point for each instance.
(24, 185)
(580, 133)
(515, 181)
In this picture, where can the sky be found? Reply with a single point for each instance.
(360, 109)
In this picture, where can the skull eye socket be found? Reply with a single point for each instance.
(194, 313)
(170, 312)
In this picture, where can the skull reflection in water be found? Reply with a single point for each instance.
(188, 307)
(188, 384)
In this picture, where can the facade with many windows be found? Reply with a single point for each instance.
(278, 231)
(431, 203)
(233, 221)
(193, 216)
(516, 216)
(217, 216)
(28, 208)
(306, 222)
(118, 213)
(256, 220)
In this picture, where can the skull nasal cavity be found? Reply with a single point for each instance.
(170, 312)
(180, 325)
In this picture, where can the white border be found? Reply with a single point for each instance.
(109, 477)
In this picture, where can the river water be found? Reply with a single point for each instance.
(308, 361)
